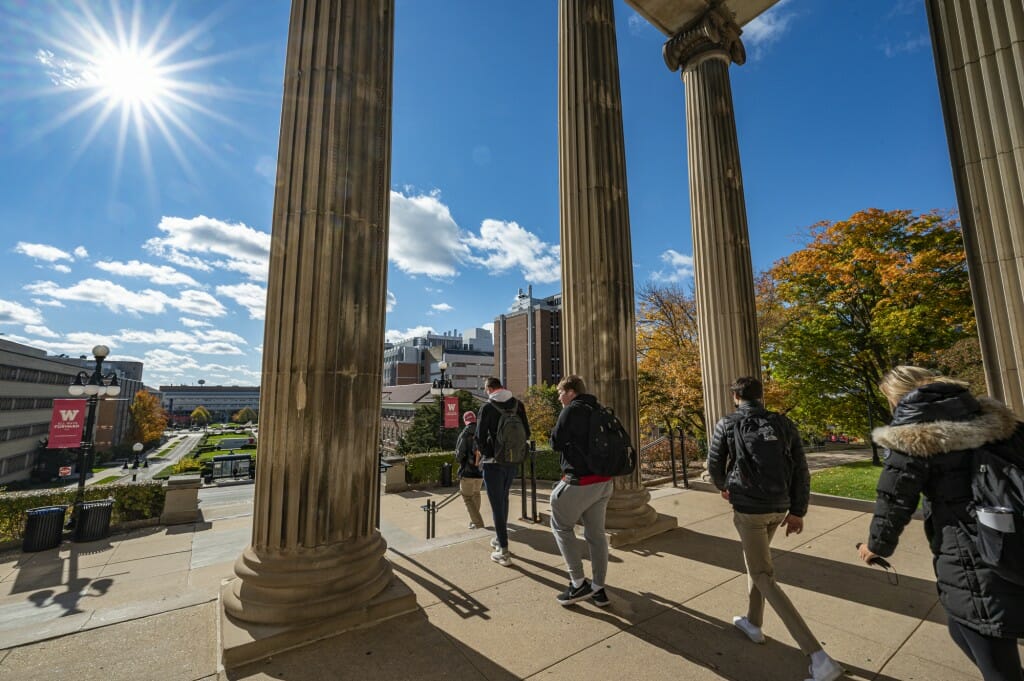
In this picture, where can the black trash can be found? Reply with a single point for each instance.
(446, 475)
(93, 520)
(43, 528)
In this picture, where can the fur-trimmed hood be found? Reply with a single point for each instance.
(993, 423)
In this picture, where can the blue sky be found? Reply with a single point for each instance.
(136, 182)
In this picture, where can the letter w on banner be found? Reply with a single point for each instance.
(66, 424)
(451, 412)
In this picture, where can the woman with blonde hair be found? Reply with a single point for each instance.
(936, 427)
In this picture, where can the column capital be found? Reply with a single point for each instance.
(715, 34)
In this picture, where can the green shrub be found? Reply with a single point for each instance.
(187, 466)
(136, 501)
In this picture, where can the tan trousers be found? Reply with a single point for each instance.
(469, 488)
(756, 531)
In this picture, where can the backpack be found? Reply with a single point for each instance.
(997, 491)
(762, 463)
(510, 445)
(609, 450)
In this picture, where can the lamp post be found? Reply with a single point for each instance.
(137, 449)
(96, 385)
(441, 387)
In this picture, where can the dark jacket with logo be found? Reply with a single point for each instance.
(487, 422)
(745, 495)
(571, 436)
(929, 447)
(465, 453)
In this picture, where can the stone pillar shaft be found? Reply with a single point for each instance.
(315, 551)
(979, 51)
(598, 317)
(721, 246)
(726, 315)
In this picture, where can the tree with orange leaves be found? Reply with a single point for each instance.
(878, 289)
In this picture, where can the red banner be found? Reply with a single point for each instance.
(451, 412)
(66, 424)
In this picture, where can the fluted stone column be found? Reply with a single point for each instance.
(316, 563)
(721, 246)
(979, 50)
(598, 318)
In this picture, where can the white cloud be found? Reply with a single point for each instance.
(42, 252)
(394, 335)
(63, 269)
(680, 267)
(442, 307)
(47, 303)
(15, 313)
(157, 274)
(638, 25)
(193, 323)
(155, 337)
(41, 331)
(166, 367)
(74, 344)
(221, 335)
(506, 245)
(245, 249)
(907, 46)
(767, 29)
(391, 302)
(117, 298)
(80, 252)
(266, 166)
(424, 238)
(249, 296)
(63, 72)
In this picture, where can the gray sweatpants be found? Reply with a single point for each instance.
(569, 505)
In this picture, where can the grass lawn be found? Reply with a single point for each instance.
(109, 478)
(856, 480)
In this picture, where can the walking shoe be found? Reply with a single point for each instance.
(501, 558)
(472, 526)
(575, 594)
(600, 598)
(753, 632)
(826, 669)
(495, 544)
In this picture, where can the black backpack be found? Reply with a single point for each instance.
(997, 490)
(510, 444)
(609, 449)
(762, 463)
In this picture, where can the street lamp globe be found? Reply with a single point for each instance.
(442, 365)
(91, 388)
(114, 389)
(100, 351)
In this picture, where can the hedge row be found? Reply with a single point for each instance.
(425, 468)
(135, 501)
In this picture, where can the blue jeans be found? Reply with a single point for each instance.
(498, 478)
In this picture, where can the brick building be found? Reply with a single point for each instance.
(528, 342)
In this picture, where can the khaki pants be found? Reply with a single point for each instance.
(756, 531)
(469, 488)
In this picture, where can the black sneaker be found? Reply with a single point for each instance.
(575, 594)
(600, 598)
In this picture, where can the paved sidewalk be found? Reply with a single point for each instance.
(143, 605)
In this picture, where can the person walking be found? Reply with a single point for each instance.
(501, 427)
(757, 461)
(471, 478)
(579, 495)
(937, 428)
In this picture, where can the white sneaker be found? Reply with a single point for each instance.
(495, 544)
(501, 558)
(753, 632)
(472, 526)
(825, 670)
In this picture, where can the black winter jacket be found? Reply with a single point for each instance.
(747, 497)
(465, 453)
(487, 422)
(928, 451)
(571, 436)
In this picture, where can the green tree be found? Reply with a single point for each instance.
(200, 415)
(542, 409)
(422, 434)
(878, 289)
(244, 415)
(148, 419)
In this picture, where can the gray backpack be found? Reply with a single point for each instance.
(510, 445)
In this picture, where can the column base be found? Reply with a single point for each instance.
(242, 642)
(628, 509)
(619, 538)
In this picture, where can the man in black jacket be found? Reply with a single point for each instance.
(757, 461)
(498, 475)
(471, 479)
(579, 495)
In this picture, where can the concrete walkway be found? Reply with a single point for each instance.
(143, 605)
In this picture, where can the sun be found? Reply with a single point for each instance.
(131, 77)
